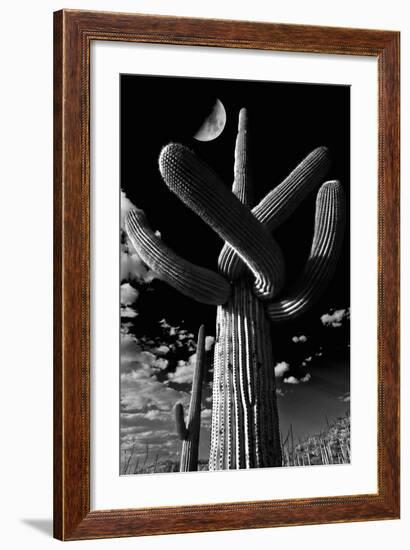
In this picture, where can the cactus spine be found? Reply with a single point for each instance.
(189, 433)
(245, 424)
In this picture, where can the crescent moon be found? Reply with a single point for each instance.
(213, 125)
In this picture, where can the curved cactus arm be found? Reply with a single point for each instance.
(280, 203)
(242, 184)
(283, 200)
(203, 285)
(319, 269)
(203, 192)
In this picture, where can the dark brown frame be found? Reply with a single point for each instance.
(73, 33)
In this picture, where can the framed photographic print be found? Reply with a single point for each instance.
(226, 275)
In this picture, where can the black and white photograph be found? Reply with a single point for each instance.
(205, 226)
(234, 274)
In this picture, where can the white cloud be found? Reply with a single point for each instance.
(185, 369)
(140, 393)
(281, 368)
(345, 397)
(206, 418)
(161, 363)
(294, 380)
(161, 350)
(335, 318)
(209, 342)
(128, 312)
(302, 338)
(137, 363)
(291, 380)
(132, 267)
(184, 372)
(128, 349)
(145, 357)
(129, 294)
(125, 327)
(140, 421)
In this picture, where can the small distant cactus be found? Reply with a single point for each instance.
(189, 432)
(245, 422)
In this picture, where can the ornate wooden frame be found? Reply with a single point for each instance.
(73, 33)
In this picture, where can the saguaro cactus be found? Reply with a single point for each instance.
(245, 424)
(189, 432)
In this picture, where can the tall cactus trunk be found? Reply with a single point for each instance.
(245, 426)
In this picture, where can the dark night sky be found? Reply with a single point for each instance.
(286, 122)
